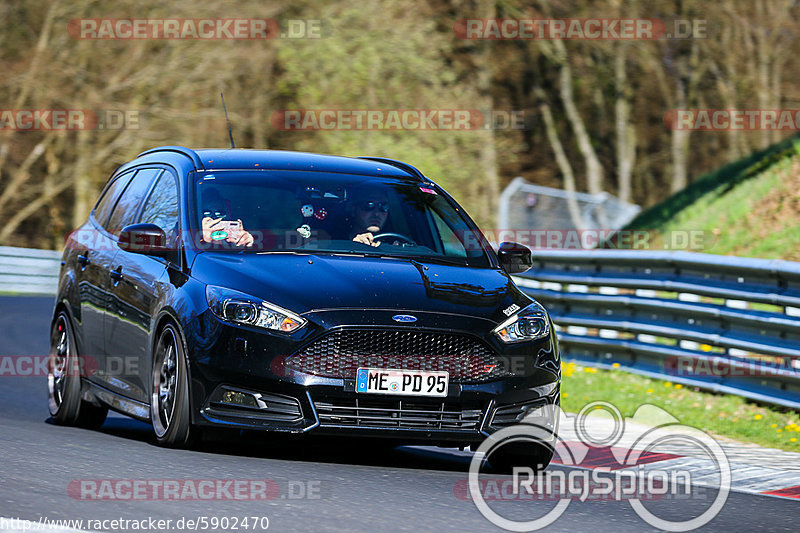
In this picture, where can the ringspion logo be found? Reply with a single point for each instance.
(635, 478)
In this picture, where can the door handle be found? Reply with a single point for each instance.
(116, 275)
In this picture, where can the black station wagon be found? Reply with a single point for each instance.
(295, 292)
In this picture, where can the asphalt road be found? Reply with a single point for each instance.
(353, 486)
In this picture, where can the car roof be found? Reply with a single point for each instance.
(246, 159)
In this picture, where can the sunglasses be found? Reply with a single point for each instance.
(383, 207)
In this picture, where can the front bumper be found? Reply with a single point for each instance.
(240, 381)
(324, 410)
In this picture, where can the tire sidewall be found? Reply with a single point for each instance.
(67, 411)
(179, 430)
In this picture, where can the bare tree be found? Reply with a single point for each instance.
(561, 157)
(624, 128)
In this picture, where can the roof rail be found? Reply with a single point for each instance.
(188, 152)
(399, 164)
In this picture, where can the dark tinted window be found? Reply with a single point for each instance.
(107, 201)
(125, 210)
(161, 207)
(332, 213)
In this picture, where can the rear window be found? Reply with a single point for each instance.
(128, 204)
(109, 198)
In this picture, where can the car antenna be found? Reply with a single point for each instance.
(230, 132)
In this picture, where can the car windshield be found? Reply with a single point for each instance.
(313, 212)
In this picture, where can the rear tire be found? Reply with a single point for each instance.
(170, 408)
(64, 372)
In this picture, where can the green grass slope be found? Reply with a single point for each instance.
(749, 208)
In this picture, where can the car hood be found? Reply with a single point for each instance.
(307, 283)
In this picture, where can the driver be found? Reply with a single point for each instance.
(369, 211)
(215, 213)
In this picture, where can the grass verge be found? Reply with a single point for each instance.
(748, 208)
(717, 414)
(719, 181)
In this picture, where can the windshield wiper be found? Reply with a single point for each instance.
(376, 254)
(417, 258)
(439, 259)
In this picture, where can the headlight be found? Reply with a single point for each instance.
(529, 324)
(240, 308)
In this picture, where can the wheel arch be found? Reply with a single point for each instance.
(64, 306)
(170, 316)
(167, 316)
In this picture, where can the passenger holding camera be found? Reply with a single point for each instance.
(216, 227)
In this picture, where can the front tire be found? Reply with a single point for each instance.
(169, 402)
(64, 372)
(521, 454)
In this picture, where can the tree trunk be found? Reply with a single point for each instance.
(561, 158)
(680, 144)
(82, 180)
(625, 132)
(31, 77)
(487, 155)
(594, 170)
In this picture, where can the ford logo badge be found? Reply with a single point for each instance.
(404, 318)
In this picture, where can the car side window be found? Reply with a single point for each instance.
(452, 245)
(124, 212)
(161, 207)
(107, 201)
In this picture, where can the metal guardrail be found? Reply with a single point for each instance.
(28, 270)
(726, 324)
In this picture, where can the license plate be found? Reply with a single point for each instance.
(405, 382)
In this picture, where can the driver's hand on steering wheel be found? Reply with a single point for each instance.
(366, 238)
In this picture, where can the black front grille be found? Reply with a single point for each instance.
(338, 354)
(393, 413)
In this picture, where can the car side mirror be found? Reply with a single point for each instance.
(515, 258)
(146, 239)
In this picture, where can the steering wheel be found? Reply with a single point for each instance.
(381, 236)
